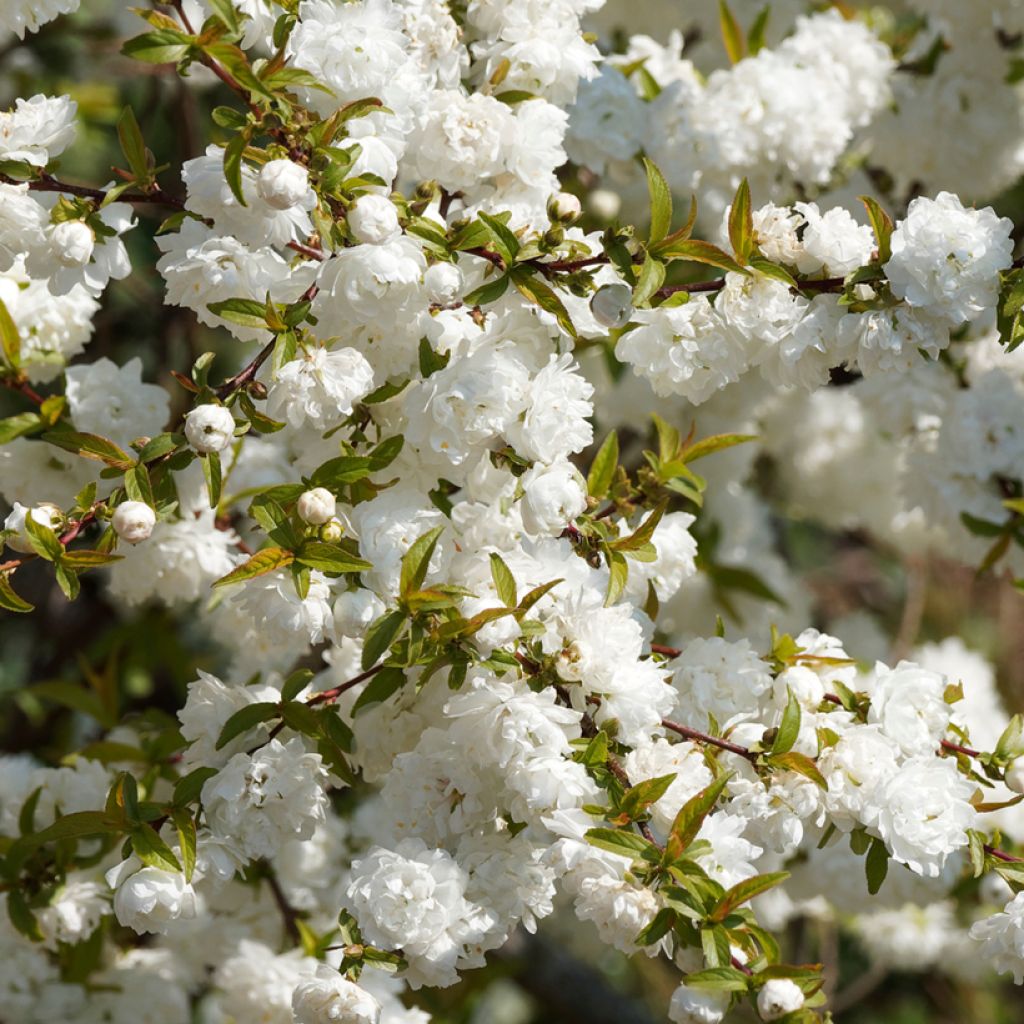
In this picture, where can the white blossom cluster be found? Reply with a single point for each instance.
(469, 665)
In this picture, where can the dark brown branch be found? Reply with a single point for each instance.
(714, 741)
(248, 373)
(47, 183)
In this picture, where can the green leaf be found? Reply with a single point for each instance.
(188, 787)
(329, 558)
(416, 561)
(618, 576)
(9, 599)
(44, 541)
(1011, 743)
(162, 46)
(661, 202)
(718, 979)
(387, 681)
(801, 764)
(789, 728)
(715, 443)
(756, 35)
(80, 560)
(876, 865)
(380, 636)
(186, 828)
(259, 564)
(503, 238)
(301, 718)
(213, 476)
(138, 486)
(132, 145)
(152, 850)
(746, 890)
(625, 844)
(649, 280)
(732, 34)
(536, 291)
(741, 224)
(21, 916)
(17, 426)
(431, 361)
(641, 795)
(10, 339)
(247, 312)
(602, 469)
(644, 532)
(701, 252)
(77, 825)
(245, 719)
(90, 446)
(487, 293)
(233, 166)
(225, 11)
(159, 446)
(296, 683)
(504, 581)
(691, 816)
(882, 225)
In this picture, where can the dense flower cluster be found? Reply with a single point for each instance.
(469, 662)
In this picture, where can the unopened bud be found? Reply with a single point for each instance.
(257, 389)
(612, 305)
(316, 506)
(282, 184)
(332, 531)
(42, 515)
(133, 521)
(1015, 776)
(564, 207)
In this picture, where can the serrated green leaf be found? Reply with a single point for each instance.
(387, 681)
(789, 728)
(416, 561)
(876, 865)
(504, 581)
(329, 558)
(732, 35)
(660, 196)
(233, 153)
(245, 719)
(741, 224)
(691, 816)
(380, 636)
(10, 339)
(882, 225)
(602, 469)
(152, 850)
(9, 600)
(746, 890)
(267, 560)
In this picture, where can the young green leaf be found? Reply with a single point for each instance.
(602, 469)
(789, 728)
(416, 561)
(504, 581)
(10, 339)
(380, 636)
(259, 564)
(661, 202)
(732, 34)
(244, 719)
(741, 224)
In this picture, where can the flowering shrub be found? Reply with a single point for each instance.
(459, 519)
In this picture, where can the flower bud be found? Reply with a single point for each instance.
(778, 997)
(612, 305)
(73, 242)
(1015, 776)
(332, 531)
(41, 514)
(697, 1005)
(443, 282)
(282, 184)
(317, 506)
(133, 521)
(209, 428)
(328, 998)
(604, 203)
(564, 207)
(373, 219)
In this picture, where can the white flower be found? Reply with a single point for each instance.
(1015, 776)
(686, 350)
(908, 703)
(320, 386)
(553, 496)
(149, 899)
(443, 282)
(329, 998)
(73, 242)
(947, 258)
(113, 401)
(779, 996)
(75, 911)
(282, 184)
(1002, 938)
(133, 521)
(924, 812)
(260, 800)
(20, 16)
(373, 219)
(354, 610)
(209, 428)
(15, 521)
(697, 1005)
(316, 506)
(719, 678)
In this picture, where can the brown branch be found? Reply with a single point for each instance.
(289, 915)
(22, 386)
(714, 741)
(248, 373)
(668, 652)
(331, 695)
(308, 251)
(47, 183)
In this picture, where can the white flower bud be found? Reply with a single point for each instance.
(604, 203)
(552, 497)
(73, 242)
(317, 506)
(779, 997)
(1015, 776)
(355, 610)
(149, 899)
(133, 521)
(697, 1006)
(328, 998)
(564, 207)
(443, 282)
(282, 184)
(373, 219)
(210, 428)
(16, 521)
(612, 305)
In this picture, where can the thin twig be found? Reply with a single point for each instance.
(714, 741)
